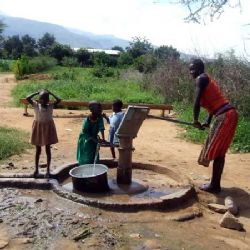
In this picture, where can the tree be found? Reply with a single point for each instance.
(84, 57)
(103, 59)
(125, 58)
(139, 46)
(166, 52)
(212, 8)
(2, 26)
(118, 48)
(45, 43)
(59, 51)
(13, 47)
(145, 63)
(29, 45)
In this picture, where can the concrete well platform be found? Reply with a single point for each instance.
(153, 187)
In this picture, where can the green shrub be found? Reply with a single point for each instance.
(12, 141)
(103, 59)
(145, 63)
(242, 136)
(102, 71)
(41, 63)
(125, 58)
(70, 62)
(21, 67)
(5, 65)
(25, 66)
(70, 74)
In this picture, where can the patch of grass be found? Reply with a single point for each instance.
(241, 142)
(241, 139)
(12, 142)
(190, 133)
(6, 65)
(80, 84)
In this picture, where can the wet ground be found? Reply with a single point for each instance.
(41, 220)
(32, 219)
(145, 185)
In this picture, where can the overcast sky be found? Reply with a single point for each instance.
(157, 20)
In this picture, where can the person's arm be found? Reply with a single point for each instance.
(208, 120)
(29, 97)
(57, 99)
(102, 134)
(201, 84)
(101, 127)
(104, 115)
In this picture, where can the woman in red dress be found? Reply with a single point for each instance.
(209, 96)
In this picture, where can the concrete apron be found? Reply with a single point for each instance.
(121, 197)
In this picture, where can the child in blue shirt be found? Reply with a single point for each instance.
(114, 120)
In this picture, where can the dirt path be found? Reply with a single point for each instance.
(157, 142)
(7, 82)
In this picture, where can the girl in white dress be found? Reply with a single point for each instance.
(43, 128)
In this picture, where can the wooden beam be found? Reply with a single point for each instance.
(105, 105)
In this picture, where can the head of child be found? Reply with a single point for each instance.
(44, 97)
(117, 106)
(95, 109)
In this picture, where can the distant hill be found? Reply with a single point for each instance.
(72, 37)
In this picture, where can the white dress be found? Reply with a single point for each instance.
(43, 128)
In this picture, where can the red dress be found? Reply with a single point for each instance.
(224, 126)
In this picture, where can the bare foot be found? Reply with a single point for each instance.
(36, 173)
(210, 188)
(47, 175)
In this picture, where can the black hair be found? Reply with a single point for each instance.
(118, 103)
(198, 63)
(44, 94)
(94, 104)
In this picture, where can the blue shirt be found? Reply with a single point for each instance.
(114, 120)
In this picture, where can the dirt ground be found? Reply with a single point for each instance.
(158, 143)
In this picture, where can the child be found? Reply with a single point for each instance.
(114, 120)
(43, 128)
(88, 138)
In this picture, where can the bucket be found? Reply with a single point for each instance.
(90, 178)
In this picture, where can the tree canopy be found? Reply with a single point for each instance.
(45, 43)
(198, 9)
(2, 25)
(166, 52)
(13, 47)
(139, 46)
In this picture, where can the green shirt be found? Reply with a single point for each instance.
(87, 142)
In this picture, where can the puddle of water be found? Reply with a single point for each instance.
(145, 185)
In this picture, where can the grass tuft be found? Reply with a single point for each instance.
(12, 142)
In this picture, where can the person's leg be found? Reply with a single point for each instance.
(37, 157)
(214, 185)
(48, 153)
(112, 149)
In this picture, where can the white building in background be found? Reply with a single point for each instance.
(107, 51)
